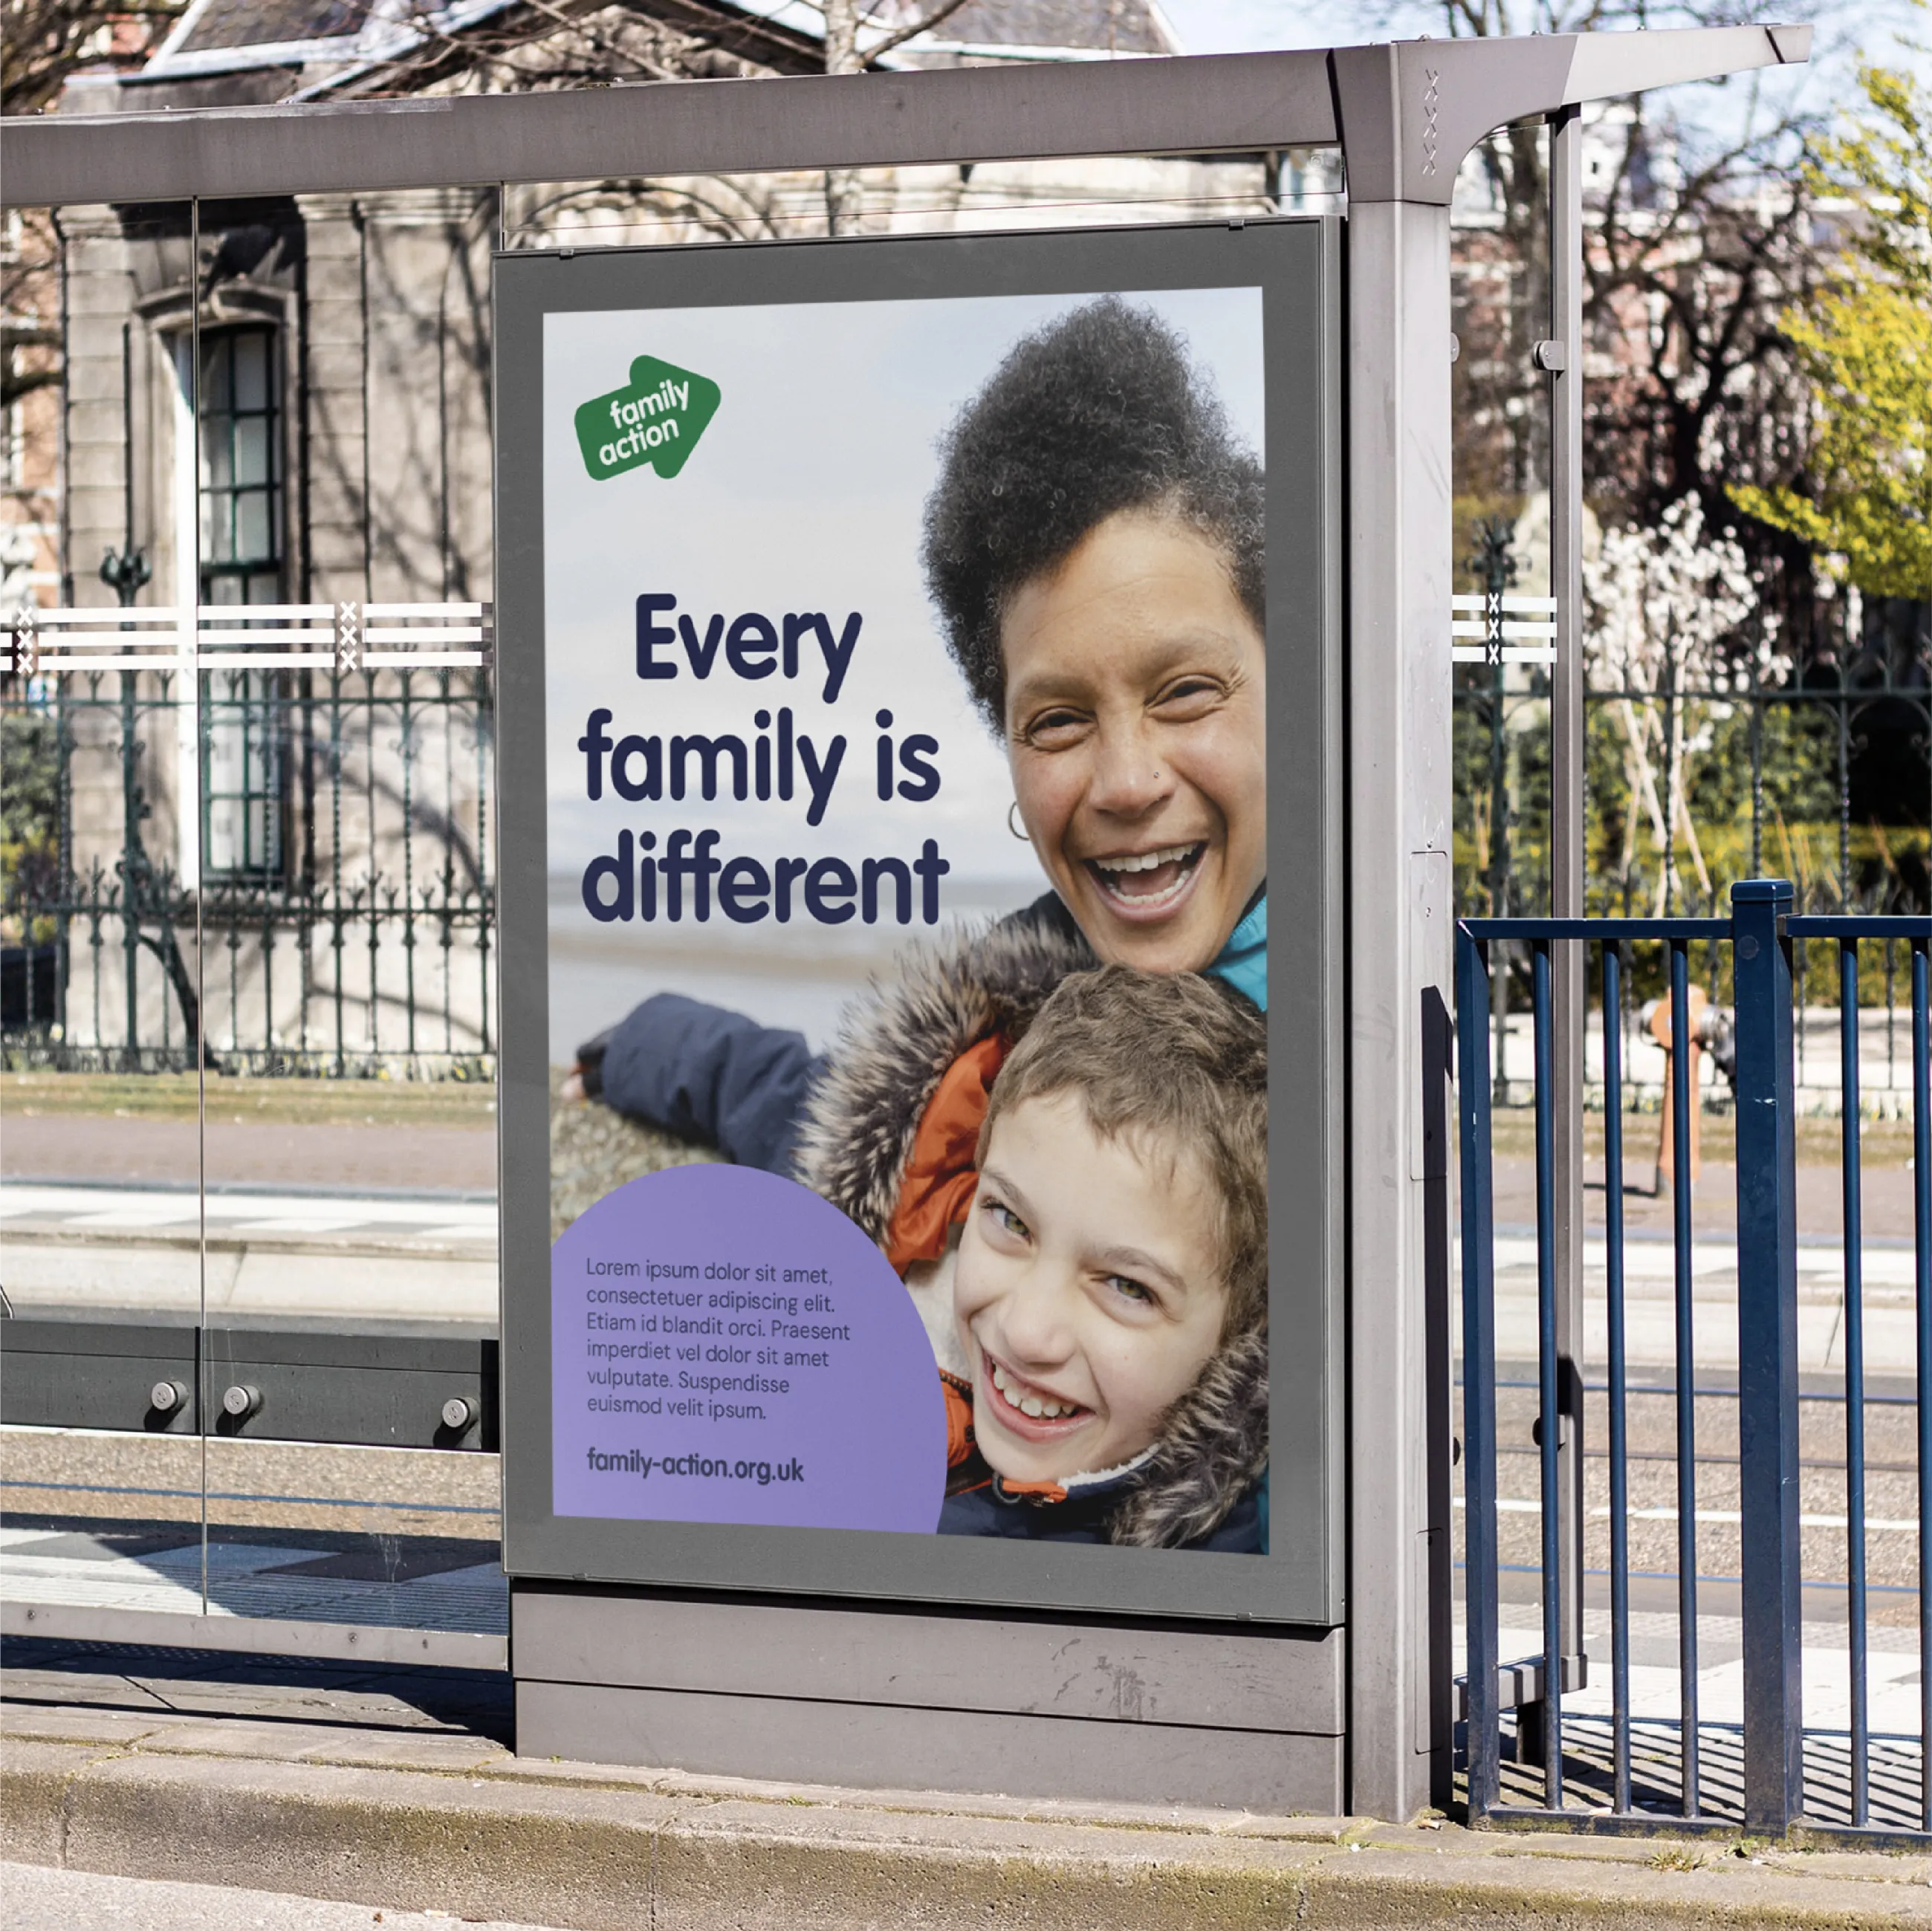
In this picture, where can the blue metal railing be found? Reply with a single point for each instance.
(1760, 936)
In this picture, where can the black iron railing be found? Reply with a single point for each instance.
(284, 855)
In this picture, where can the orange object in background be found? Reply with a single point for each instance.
(1659, 1030)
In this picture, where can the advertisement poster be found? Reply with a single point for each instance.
(906, 755)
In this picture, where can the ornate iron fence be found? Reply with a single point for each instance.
(1823, 768)
(1815, 760)
(262, 834)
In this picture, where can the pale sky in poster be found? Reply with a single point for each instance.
(805, 493)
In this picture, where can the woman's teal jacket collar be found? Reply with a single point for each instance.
(1244, 959)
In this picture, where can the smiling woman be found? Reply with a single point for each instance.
(1136, 730)
(1095, 546)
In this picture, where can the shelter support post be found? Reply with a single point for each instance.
(1399, 968)
(1562, 358)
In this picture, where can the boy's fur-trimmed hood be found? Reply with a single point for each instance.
(860, 1120)
(856, 1141)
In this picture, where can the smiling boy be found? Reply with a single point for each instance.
(1110, 1289)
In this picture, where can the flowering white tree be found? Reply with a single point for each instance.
(1665, 607)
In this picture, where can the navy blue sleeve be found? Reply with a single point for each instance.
(709, 1074)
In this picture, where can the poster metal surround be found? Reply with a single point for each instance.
(1296, 265)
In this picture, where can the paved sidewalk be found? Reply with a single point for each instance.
(1886, 1199)
(395, 1790)
(38, 1897)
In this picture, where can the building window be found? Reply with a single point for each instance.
(244, 776)
(241, 459)
(245, 741)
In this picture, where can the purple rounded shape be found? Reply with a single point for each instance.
(726, 1346)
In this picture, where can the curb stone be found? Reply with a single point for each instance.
(435, 1821)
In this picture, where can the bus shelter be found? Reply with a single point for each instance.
(779, 1602)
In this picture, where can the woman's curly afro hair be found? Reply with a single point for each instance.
(1097, 412)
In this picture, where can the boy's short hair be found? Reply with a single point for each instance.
(1097, 412)
(1176, 1063)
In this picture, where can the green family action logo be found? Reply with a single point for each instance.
(657, 419)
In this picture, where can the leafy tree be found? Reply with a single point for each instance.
(1868, 350)
(1864, 495)
(1887, 157)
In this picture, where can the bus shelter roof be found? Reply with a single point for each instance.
(1404, 114)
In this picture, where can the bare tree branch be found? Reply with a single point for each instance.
(47, 40)
(15, 383)
(899, 36)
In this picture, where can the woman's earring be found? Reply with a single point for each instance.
(1018, 831)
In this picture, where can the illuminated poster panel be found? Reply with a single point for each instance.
(917, 692)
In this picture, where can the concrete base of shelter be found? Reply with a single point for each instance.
(1029, 1706)
(871, 1747)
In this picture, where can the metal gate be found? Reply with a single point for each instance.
(1619, 1761)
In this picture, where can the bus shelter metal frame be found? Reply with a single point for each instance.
(1405, 115)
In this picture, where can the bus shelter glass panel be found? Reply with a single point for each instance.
(345, 736)
(99, 966)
